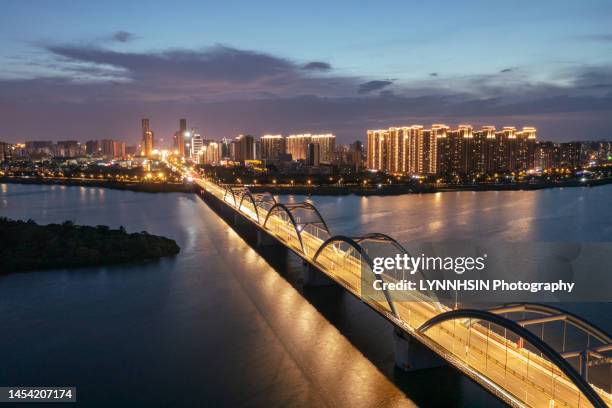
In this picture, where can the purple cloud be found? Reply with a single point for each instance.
(224, 91)
(317, 66)
(371, 86)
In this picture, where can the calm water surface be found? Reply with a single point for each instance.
(224, 325)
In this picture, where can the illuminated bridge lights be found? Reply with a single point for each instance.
(499, 352)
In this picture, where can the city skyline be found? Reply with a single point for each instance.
(503, 64)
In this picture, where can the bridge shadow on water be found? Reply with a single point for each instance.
(365, 329)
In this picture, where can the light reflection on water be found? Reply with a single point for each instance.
(192, 314)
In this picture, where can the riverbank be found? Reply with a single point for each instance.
(28, 246)
(419, 189)
(116, 185)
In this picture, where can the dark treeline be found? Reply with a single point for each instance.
(25, 245)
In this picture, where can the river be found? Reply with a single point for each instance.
(224, 325)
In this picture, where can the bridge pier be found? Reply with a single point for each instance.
(239, 219)
(313, 277)
(265, 239)
(411, 355)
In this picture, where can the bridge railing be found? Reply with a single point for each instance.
(496, 350)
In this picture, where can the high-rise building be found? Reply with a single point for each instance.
(297, 146)
(570, 154)
(40, 147)
(5, 151)
(179, 138)
(210, 153)
(377, 149)
(196, 145)
(68, 148)
(403, 150)
(226, 146)
(92, 147)
(441, 150)
(356, 154)
(148, 142)
(313, 154)
(244, 148)
(327, 147)
(112, 149)
(546, 155)
(272, 147)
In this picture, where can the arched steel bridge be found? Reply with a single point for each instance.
(494, 347)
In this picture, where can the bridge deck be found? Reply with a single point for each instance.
(519, 376)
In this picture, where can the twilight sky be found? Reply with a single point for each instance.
(90, 70)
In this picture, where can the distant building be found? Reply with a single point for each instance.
(297, 146)
(68, 148)
(148, 142)
(356, 154)
(132, 150)
(5, 151)
(210, 153)
(112, 149)
(226, 152)
(445, 151)
(196, 145)
(37, 147)
(92, 147)
(179, 138)
(243, 148)
(272, 147)
(313, 154)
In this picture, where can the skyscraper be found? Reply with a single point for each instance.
(147, 139)
(179, 137)
(196, 145)
(297, 146)
(272, 147)
(450, 152)
(244, 148)
(313, 154)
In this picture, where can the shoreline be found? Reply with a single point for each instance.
(134, 186)
(386, 190)
(395, 190)
(68, 245)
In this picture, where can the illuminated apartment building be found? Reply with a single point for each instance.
(445, 151)
(243, 148)
(403, 150)
(297, 146)
(210, 153)
(147, 139)
(272, 147)
(195, 146)
(377, 150)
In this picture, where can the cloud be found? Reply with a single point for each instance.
(123, 36)
(226, 90)
(370, 86)
(596, 37)
(316, 66)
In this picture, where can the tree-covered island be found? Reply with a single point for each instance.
(25, 245)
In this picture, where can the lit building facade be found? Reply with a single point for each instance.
(112, 148)
(210, 153)
(272, 147)
(5, 151)
(445, 151)
(195, 145)
(148, 142)
(297, 146)
(179, 138)
(243, 148)
(402, 150)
